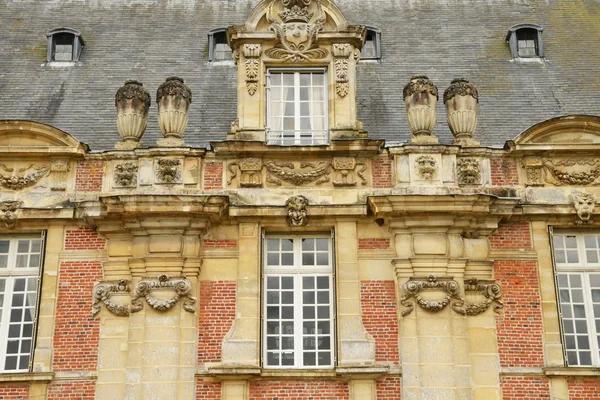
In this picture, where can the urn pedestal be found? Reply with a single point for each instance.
(420, 97)
(132, 102)
(462, 102)
(174, 99)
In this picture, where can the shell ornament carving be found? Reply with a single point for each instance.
(180, 288)
(103, 292)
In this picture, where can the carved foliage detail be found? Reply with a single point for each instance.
(426, 167)
(491, 291)
(469, 171)
(344, 168)
(103, 292)
(584, 204)
(296, 210)
(575, 172)
(9, 212)
(341, 51)
(180, 287)
(168, 170)
(125, 175)
(15, 182)
(414, 286)
(286, 171)
(252, 63)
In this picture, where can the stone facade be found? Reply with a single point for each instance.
(155, 266)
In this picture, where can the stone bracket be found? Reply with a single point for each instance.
(103, 292)
(179, 286)
(490, 290)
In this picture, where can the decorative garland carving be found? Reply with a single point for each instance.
(469, 171)
(103, 291)
(283, 171)
(250, 168)
(252, 63)
(168, 170)
(426, 167)
(9, 212)
(180, 287)
(14, 182)
(450, 287)
(296, 210)
(341, 52)
(569, 172)
(490, 290)
(584, 204)
(296, 27)
(125, 175)
(344, 168)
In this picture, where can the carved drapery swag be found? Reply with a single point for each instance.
(16, 182)
(179, 287)
(414, 286)
(297, 24)
(103, 292)
(491, 291)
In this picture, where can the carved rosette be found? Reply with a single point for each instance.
(174, 99)
(341, 54)
(9, 212)
(491, 291)
(132, 102)
(252, 63)
(317, 172)
(426, 167)
(251, 172)
(125, 175)
(177, 288)
(296, 210)
(344, 168)
(414, 286)
(420, 97)
(462, 102)
(584, 204)
(103, 292)
(168, 170)
(31, 175)
(469, 171)
(59, 170)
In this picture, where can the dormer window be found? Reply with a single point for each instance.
(371, 50)
(64, 45)
(525, 41)
(218, 49)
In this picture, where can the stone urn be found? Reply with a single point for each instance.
(420, 97)
(462, 101)
(174, 99)
(132, 102)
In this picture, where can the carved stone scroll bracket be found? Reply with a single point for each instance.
(534, 171)
(59, 170)
(469, 171)
(252, 63)
(15, 182)
(168, 170)
(9, 212)
(296, 210)
(427, 167)
(103, 292)
(414, 286)
(250, 172)
(491, 291)
(179, 287)
(125, 175)
(584, 204)
(345, 168)
(341, 54)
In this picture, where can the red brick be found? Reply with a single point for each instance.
(381, 170)
(14, 392)
(584, 389)
(299, 390)
(83, 238)
(520, 331)
(219, 244)
(216, 315)
(520, 387)
(88, 176)
(379, 317)
(208, 390)
(388, 389)
(79, 390)
(512, 235)
(213, 175)
(504, 171)
(76, 334)
(373, 244)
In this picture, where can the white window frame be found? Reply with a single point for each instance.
(9, 275)
(297, 272)
(298, 137)
(584, 270)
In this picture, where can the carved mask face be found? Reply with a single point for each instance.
(584, 205)
(296, 209)
(426, 167)
(296, 33)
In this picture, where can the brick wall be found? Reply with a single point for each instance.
(378, 304)
(83, 238)
(504, 171)
(389, 389)
(208, 390)
(381, 170)
(79, 390)
(511, 235)
(520, 331)
(219, 244)
(373, 244)
(520, 388)
(88, 176)
(216, 314)
(213, 175)
(584, 389)
(14, 392)
(296, 390)
(75, 332)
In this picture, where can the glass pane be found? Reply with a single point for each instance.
(11, 363)
(323, 282)
(583, 342)
(592, 256)
(287, 282)
(310, 358)
(287, 244)
(572, 257)
(308, 282)
(36, 246)
(287, 259)
(322, 244)
(318, 79)
(308, 313)
(308, 244)
(308, 298)
(272, 343)
(305, 79)
(12, 347)
(272, 283)
(585, 358)
(308, 259)
(288, 79)
(272, 327)
(23, 246)
(571, 242)
(275, 79)
(323, 297)
(288, 359)
(19, 285)
(34, 261)
(309, 343)
(287, 297)
(272, 297)
(24, 362)
(287, 343)
(272, 358)
(287, 312)
(21, 261)
(324, 343)
(559, 256)
(323, 312)
(324, 358)
(272, 312)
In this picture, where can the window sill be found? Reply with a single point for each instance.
(528, 60)
(27, 377)
(224, 373)
(572, 371)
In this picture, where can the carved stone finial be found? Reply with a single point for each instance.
(420, 97)
(132, 102)
(584, 204)
(174, 99)
(461, 100)
(179, 286)
(9, 212)
(296, 210)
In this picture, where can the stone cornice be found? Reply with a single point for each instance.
(352, 148)
(213, 206)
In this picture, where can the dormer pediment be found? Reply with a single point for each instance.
(567, 133)
(34, 138)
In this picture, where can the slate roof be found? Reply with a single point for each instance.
(149, 40)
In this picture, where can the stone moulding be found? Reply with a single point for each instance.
(341, 53)
(414, 286)
(490, 290)
(179, 286)
(14, 182)
(103, 292)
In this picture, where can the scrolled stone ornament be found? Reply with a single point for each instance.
(491, 291)
(103, 292)
(414, 286)
(179, 286)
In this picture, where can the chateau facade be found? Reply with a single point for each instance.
(299, 213)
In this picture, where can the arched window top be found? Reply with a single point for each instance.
(371, 50)
(523, 26)
(64, 45)
(218, 48)
(525, 41)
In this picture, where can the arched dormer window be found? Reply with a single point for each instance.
(525, 41)
(218, 48)
(64, 45)
(371, 50)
